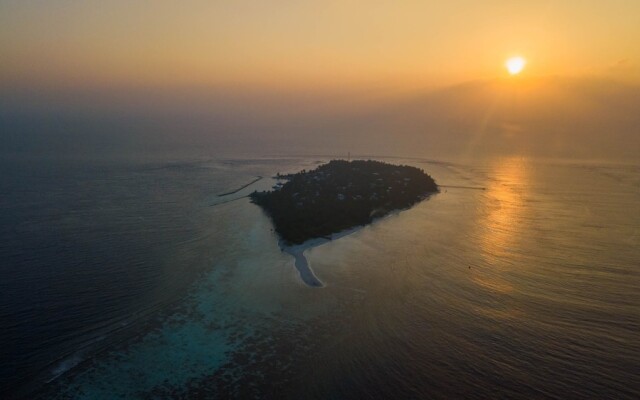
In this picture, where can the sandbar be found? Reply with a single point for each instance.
(302, 263)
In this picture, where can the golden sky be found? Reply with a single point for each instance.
(312, 43)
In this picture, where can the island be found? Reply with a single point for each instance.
(312, 207)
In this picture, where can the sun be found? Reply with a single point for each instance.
(515, 65)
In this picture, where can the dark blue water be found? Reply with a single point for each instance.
(91, 246)
(131, 278)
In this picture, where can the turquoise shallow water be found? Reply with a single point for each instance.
(526, 289)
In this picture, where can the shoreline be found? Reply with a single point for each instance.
(302, 263)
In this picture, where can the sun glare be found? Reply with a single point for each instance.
(515, 65)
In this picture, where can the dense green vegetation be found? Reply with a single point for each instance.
(340, 195)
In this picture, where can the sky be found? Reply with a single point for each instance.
(407, 43)
(315, 65)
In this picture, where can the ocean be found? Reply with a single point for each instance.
(133, 278)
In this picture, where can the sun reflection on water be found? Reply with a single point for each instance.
(500, 226)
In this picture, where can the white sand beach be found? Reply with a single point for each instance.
(302, 263)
